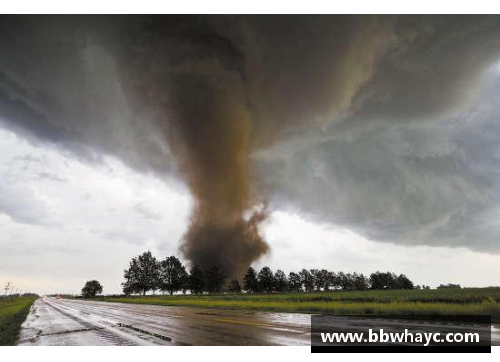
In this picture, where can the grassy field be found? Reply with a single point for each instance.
(13, 312)
(390, 302)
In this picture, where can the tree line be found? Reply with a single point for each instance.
(146, 273)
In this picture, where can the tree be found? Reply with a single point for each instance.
(323, 276)
(390, 280)
(215, 278)
(379, 280)
(320, 279)
(266, 279)
(250, 282)
(172, 275)
(448, 286)
(360, 282)
(402, 282)
(332, 281)
(91, 289)
(314, 276)
(280, 281)
(184, 281)
(142, 275)
(196, 281)
(307, 280)
(294, 282)
(234, 286)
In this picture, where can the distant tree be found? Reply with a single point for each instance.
(280, 281)
(184, 281)
(91, 289)
(214, 278)
(345, 281)
(388, 280)
(315, 279)
(294, 282)
(324, 277)
(332, 281)
(449, 286)
(250, 282)
(266, 280)
(307, 280)
(131, 275)
(360, 282)
(142, 275)
(172, 275)
(402, 282)
(320, 279)
(379, 280)
(234, 286)
(196, 281)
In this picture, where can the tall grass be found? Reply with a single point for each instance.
(13, 312)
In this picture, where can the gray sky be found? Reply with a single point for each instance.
(375, 142)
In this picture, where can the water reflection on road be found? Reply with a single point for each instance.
(79, 322)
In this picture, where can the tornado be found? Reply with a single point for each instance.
(212, 139)
(194, 79)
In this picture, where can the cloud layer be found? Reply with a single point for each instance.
(384, 125)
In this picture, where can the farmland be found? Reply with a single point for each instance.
(371, 302)
(13, 312)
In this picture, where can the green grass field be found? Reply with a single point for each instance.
(390, 302)
(13, 312)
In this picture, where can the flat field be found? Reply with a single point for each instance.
(372, 302)
(13, 312)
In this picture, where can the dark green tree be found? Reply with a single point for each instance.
(266, 280)
(315, 280)
(196, 281)
(280, 281)
(307, 280)
(360, 282)
(331, 281)
(448, 286)
(172, 275)
(323, 280)
(380, 280)
(91, 289)
(294, 282)
(250, 282)
(184, 281)
(388, 280)
(142, 275)
(320, 279)
(402, 282)
(214, 278)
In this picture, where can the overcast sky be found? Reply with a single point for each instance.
(379, 152)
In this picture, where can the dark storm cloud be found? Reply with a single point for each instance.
(351, 119)
(433, 183)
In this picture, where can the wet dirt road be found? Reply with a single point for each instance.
(76, 322)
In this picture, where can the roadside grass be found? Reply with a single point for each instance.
(13, 312)
(371, 302)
